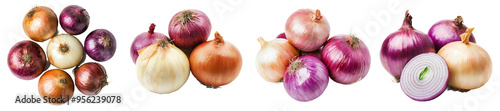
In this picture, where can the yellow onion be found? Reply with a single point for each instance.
(162, 68)
(273, 58)
(40, 23)
(469, 64)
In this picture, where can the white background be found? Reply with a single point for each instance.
(241, 23)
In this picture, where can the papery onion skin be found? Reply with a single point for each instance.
(306, 78)
(26, 60)
(347, 58)
(273, 58)
(307, 30)
(40, 23)
(469, 64)
(188, 29)
(399, 47)
(74, 19)
(57, 84)
(90, 78)
(145, 39)
(100, 45)
(446, 31)
(425, 77)
(65, 51)
(282, 36)
(162, 68)
(216, 62)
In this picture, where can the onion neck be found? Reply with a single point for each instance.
(104, 82)
(465, 36)
(81, 10)
(407, 23)
(459, 21)
(353, 41)
(423, 74)
(163, 43)
(218, 39)
(317, 16)
(27, 57)
(63, 82)
(261, 41)
(64, 48)
(32, 12)
(152, 28)
(106, 39)
(295, 65)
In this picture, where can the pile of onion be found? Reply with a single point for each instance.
(188, 29)
(90, 78)
(424, 77)
(399, 47)
(74, 19)
(306, 78)
(469, 64)
(216, 62)
(100, 45)
(40, 23)
(56, 85)
(307, 30)
(446, 31)
(65, 51)
(26, 60)
(162, 68)
(145, 39)
(347, 58)
(273, 58)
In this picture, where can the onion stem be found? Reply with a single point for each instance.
(465, 36)
(32, 12)
(353, 41)
(407, 22)
(423, 74)
(295, 65)
(318, 16)
(261, 41)
(218, 39)
(459, 20)
(152, 28)
(64, 48)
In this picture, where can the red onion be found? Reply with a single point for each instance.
(74, 19)
(347, 59)
(446, 31)
(26, 60)
(145, 39)
(307, 30)
(90, 78)
(425, 77)
(305, 78)
(402, 45)
(100, 45)
(188, 29)
(282, 36)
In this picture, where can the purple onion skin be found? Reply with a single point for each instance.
(282, 36)
(446, 31)
(316, 53)
(100, 45)
(145, 39)
(347, 59)
(26, 60)
(306, 78)
(74, 19)
(188, 29)
(399, 47)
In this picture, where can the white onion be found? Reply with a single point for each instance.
(64, 51)
(162, 68)
(424, 77)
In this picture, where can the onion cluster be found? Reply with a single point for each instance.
(410, 56)
(304, 60)
(163, 63)
(27, 60)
